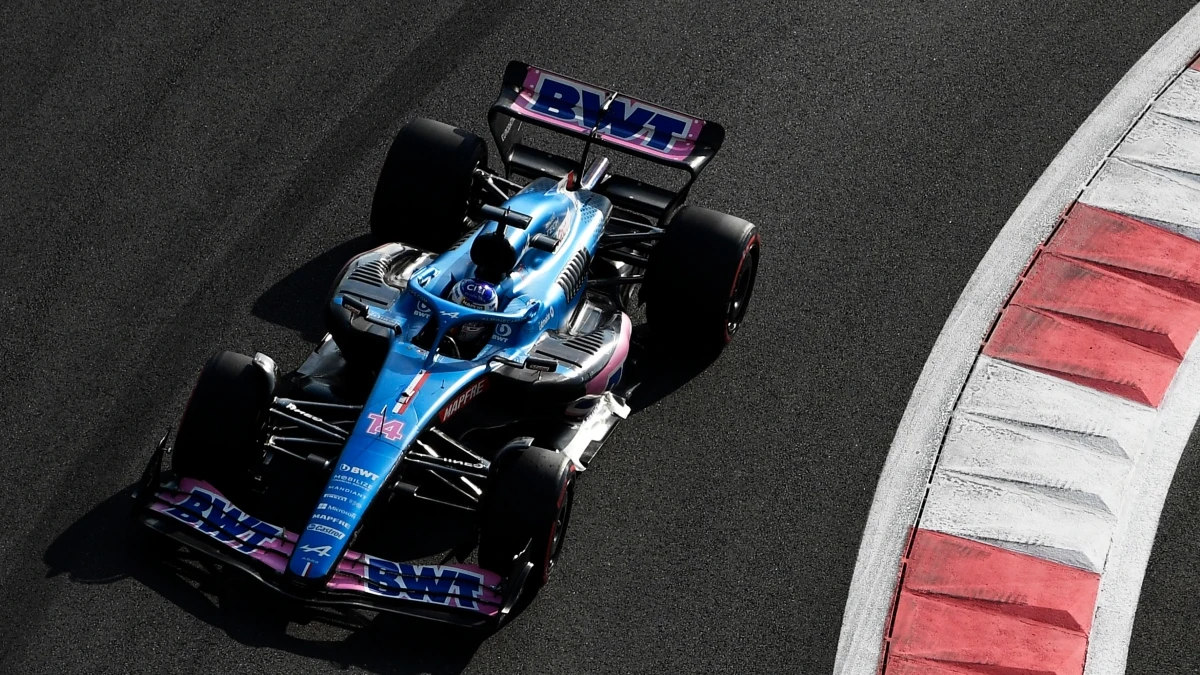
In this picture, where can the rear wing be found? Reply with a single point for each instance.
(531, 95)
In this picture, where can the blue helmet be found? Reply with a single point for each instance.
(476, 294)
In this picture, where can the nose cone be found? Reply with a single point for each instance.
(356, 480)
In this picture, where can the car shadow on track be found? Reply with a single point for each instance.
(297, 301)
(105, 546)
(657, 373)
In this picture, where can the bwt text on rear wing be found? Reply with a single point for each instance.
(531, 95)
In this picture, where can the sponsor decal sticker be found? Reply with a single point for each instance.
(357, 482)
(568, 103)
(332, 519)
(291, 407)
(358, 504)
(427, 583)
(502, 333)
(215, 516)
(322, 529)
(464, 397)
(330, 507)
(360, 472)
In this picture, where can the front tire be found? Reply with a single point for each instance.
(700, 280)
(528, 504)
(424, 188)
(219, 434)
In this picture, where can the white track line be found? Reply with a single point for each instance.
(909, 465)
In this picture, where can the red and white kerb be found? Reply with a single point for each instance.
(1047, 443)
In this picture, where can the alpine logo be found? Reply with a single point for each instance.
(322, 551)
(464, 397)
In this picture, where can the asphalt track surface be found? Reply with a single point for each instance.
(181, 178)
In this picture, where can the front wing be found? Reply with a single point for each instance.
(196, 514)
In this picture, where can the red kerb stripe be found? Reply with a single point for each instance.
(1111, 303)
(967, 607)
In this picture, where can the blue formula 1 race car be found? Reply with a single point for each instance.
(474, 363)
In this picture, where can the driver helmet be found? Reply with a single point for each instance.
(476, 294)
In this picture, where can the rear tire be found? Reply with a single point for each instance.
(528, 503)
(424, 188)
(700, 280)
(218, 436)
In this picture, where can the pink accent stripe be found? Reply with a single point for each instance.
(598, 383)
(967, 607)
(1111, 303)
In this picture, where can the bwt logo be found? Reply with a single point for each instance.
(427, 583)
(580, 105)
(223, 521)
(360, 472)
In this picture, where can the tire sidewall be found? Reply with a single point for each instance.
(692, 278)
(223, 419)
(528, 489)
(424, 187)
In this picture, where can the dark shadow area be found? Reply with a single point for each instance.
(657, 373)
(105, 546)
(297, 301)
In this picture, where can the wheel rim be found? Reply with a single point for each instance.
(743, 286)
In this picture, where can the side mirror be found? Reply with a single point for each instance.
(505, 217)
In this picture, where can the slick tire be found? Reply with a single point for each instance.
(528, 503)
(699, 281)
(218, 439)
(424, 188)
